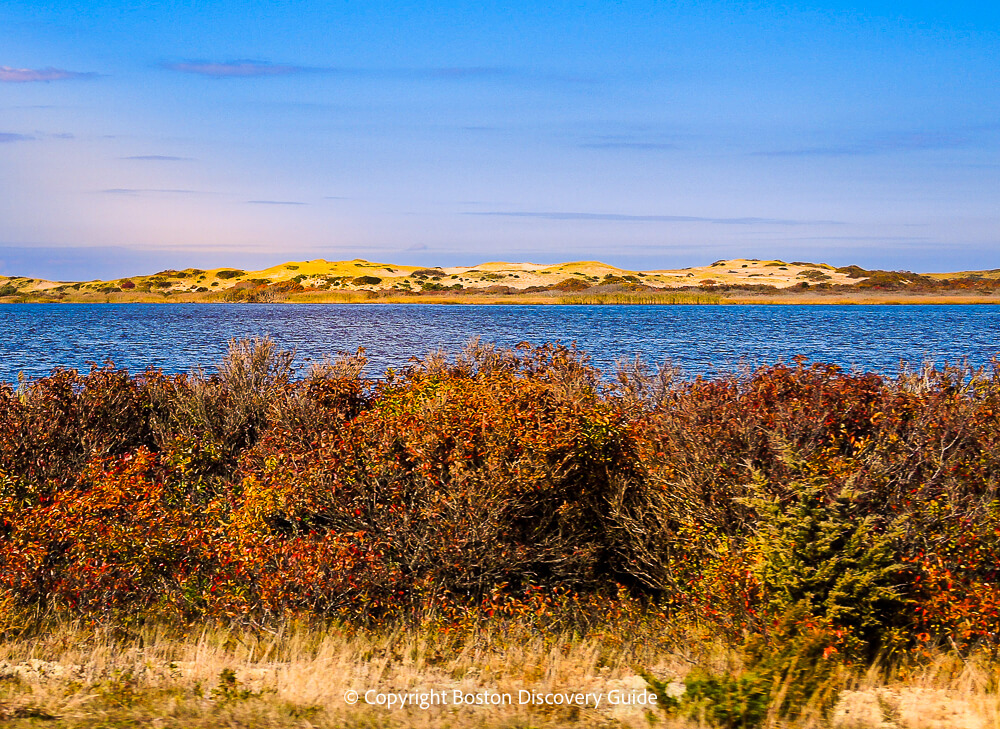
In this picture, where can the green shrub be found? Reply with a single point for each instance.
(822, 555)
(726, 701)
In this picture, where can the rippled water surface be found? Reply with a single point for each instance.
(34, 338)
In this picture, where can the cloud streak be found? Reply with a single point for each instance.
(903, 238)
(249, 68)
(638, 146)
(35, 75)
(143, 190)
(275, 202)
(9, 137)
(461, 72)
(622, 218)
(235, 69)
(883, 144)
(157, 158)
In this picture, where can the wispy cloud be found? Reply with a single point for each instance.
(157, 158)
(29, 75)
(489, 73)
(443, 73)
(144, 190)
(619, 217)
(275, 202)
(6, 137)
(248, 68)
(479, 73)
(235, 69)
(882, 144)
(638, 146)
(904, 238)
(459, 72)
(642, 139)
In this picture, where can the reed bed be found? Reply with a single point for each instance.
(642, 298)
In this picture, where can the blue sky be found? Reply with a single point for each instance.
(139, 135)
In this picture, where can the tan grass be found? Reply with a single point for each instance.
(298, 675)
(642, 298)
(861, 298)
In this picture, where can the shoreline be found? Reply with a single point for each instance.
(659, 299)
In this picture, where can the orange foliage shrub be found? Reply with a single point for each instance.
(501, 479)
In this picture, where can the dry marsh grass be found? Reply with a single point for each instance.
(642, 299)
(298, 675)
(869, 297)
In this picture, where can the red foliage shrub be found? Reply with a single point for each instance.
(864, 503)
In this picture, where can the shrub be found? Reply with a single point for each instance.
(795, 511)
(286, 287)
(728, 701)
(570, 284)
(251, 294)
(822, 556)
(54, 425)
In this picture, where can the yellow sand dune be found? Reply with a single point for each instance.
(358, 276)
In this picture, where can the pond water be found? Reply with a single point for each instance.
(34, 338)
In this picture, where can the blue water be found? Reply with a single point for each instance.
(34, 338)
